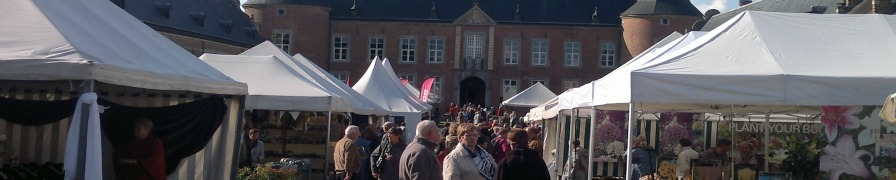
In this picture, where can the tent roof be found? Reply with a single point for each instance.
(274, 85)
(387, 66)
(95, 40)
(324, 80)
(377, 85)
(765, 58)
(533, 96)
(583, 96)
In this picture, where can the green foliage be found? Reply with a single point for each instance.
(266, 172)
(802, 161)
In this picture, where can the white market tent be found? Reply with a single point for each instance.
(46, 42)
(414, 92)
(407, 91)
(90, 40)
(772, 61)
(322, 79)
(275, 86)
(789, 59)
(375, 85)
(533, 96)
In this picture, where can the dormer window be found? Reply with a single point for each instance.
(281, 11)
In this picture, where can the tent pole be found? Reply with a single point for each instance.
(628, 147)
(767, 129)
(591, 144)
(327, 143)
(82, 133)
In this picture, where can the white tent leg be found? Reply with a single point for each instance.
(327, 144)
(767, 129)
(628, 147)
(82, 147)
(591, 144)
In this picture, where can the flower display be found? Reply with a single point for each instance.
(834, 117)
(871, 132)
(666, 170)
(844, 158)
(604, 158)
(608, 132)
(670, 136)
(616, 149)
(882, 173)
(777, 156)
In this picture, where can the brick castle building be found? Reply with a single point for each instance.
(479, 51)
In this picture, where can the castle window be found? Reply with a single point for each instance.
(408, 49)
(436, 91)
(281, 39)
(342, 76)
(607, 54)
(281, 11)
(512, 51)
(540, 52)
(510, 87)
(474, 46)
(340, 48)
(664, 21)
(436, 49)
(569, 84)
(409, 77)
(377, 46)
(540, 80)
(573, 55)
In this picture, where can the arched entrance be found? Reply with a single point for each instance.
(472, 89)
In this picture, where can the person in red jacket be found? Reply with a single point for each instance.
(144, 157)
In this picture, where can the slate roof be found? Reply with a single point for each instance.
(502, 11)
(794, 6)
(662, 7)
(222, 20)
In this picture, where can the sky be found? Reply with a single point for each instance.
(702, 5)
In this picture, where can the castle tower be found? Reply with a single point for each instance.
(294, 25)
(648, 21)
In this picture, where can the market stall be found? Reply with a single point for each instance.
(58, 61)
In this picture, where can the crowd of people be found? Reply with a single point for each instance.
(474, 113)
(458, 151)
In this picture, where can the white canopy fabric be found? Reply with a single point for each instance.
(275, 86)
(533, 96)
(765, 58)
(382, 88)
(324, 80)
(95, 40)
(413, 90)
(583, 96)
(420, 104)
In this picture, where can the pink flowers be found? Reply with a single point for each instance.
(844, 158)
(834, 117)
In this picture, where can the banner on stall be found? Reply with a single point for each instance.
(777, 127)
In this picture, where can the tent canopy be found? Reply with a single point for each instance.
(274, 85)
(788, 59)
(323, 80)
(384, 89)
(407, 91)
(533, 96)
(94, 40)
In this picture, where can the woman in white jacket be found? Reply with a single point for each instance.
(468, 161)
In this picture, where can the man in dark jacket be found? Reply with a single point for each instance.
(521, 162)
(419, 160)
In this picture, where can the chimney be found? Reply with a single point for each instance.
(594, 17)
(882, 6)
(744, 2)
(817, 9)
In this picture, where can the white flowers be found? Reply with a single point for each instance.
(616, 149)
(779, 156)
(844, 158)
